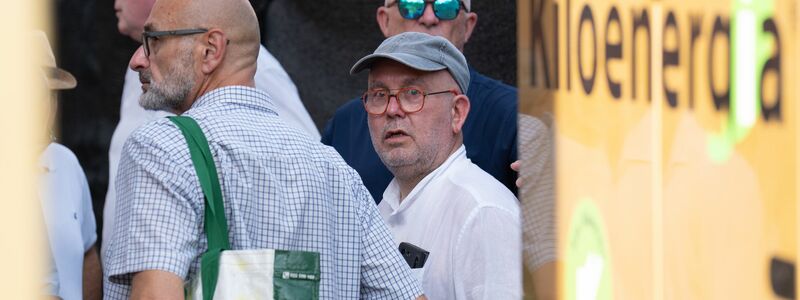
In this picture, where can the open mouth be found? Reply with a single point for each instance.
(393, 134)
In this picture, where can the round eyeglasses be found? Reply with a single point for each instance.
(411, 99)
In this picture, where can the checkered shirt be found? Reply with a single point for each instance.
(281, 190)
(536, 195)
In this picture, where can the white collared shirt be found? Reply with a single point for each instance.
(68, 216)
(470, 224)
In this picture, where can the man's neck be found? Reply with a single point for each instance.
(409, 182)
(211, 83)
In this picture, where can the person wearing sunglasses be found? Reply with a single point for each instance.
(490, 131)
(280, 189)
(440, 202)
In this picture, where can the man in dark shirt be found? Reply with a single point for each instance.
(490, 131)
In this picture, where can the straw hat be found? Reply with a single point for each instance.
(57, 78)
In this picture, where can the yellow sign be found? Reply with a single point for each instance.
(678, 119)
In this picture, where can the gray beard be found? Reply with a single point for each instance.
(170, 94)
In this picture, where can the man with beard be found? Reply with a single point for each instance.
(439, 200)
(490, 132)
(270, 77)
(280, 189)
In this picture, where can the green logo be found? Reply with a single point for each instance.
(750, 50)
(588, 264)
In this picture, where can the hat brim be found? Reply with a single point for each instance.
(59, 79)
(411, 61)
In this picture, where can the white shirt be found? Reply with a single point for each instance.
(68, 217)
(470, 224)
(270, 77)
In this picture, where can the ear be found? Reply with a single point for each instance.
(472, 20)
(214, 48)
(382, 16)
(459, 112)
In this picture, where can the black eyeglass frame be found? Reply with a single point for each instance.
(146, 35)
(461, 5)
(400, 103)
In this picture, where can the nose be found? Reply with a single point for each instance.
(393, 109)
(138, 60)
(428, 17)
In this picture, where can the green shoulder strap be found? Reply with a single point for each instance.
(215, 225)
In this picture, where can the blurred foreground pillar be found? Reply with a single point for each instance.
(20, 127)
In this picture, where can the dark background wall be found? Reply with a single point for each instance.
(316, 41)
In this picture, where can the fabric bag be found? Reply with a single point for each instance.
(240, 274)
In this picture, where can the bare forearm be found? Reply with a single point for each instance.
(156, 285)
(92, 275)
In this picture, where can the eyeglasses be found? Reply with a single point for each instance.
(157, 34)
(443, 9)
(411, 99)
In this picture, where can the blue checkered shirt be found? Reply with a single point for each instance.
(281, 191)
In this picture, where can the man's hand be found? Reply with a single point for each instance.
(155, 284)
(515, 166)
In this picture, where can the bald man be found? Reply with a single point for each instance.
(270, 77)
(281, 190)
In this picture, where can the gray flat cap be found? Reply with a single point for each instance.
(422, 52)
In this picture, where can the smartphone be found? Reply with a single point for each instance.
(415, 256)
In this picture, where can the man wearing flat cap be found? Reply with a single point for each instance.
(280, 190)
(441, 203)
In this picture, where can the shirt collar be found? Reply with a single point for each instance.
(234, 94)
(392, 194)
